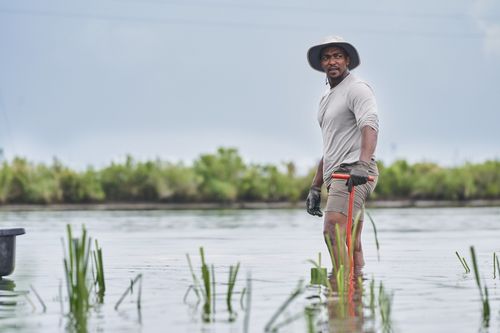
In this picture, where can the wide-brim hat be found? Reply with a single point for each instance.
(314, 52)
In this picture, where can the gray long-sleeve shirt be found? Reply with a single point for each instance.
(343, 111)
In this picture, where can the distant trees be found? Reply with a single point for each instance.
(223, 177)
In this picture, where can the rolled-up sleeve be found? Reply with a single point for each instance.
(361, 101)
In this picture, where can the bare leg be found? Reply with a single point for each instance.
(359, 261)
(331, 220)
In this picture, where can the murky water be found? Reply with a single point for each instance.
(417, 264)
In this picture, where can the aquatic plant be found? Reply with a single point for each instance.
(463, 262)
(354, 238)
(99, 280)
(496, 266)
(204, 288)
(44, 307)
(76, 262)
(310, 314)
(271, 326)
(246, 321)
(330, 251)
(341, 281)
(130, 291)
(318, 273)
(385, 306)
(484, 296)
(375, 234)
(372, 296)
(233, 274)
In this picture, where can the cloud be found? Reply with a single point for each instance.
(485, 14)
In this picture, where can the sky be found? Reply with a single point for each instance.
(91, 81)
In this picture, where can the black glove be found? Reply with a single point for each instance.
(313, 201)
(359, 174)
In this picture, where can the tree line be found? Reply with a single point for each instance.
(223, 177)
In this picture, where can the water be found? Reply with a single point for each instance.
(417, 263)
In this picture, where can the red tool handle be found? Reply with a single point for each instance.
(349, 215)
(346, 176)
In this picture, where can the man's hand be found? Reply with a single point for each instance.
(313, 201)
(359, 174)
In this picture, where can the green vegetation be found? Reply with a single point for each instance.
(204, 289)
(76, 264)
(463, 262)
(99, 282)
(484, 295)
(223, 177)
(319, 274)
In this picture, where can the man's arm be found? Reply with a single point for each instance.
(318, 177)
(368, 143)
(313, 201)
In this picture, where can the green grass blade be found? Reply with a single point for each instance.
(298, 290)
(246, 320)
(462, 262)
(330, 250)
(476, 271)
(375, 233)
(494, 265)
(498, 267)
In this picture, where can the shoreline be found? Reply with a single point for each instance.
(238, 205)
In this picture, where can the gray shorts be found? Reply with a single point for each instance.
(338, 195)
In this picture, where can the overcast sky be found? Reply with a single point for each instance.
(91, 81)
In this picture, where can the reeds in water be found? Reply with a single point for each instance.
(204, 288)
(99, 281)
(484, 295)
(233, 274)
(271, 326)
(385, 305)
(76, 264)
(130, 291)
(463, 262)
(496, 266)
(375, 233)
(318, 274)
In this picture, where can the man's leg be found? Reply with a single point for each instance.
(332, 219)
(359, 260)
(329, 230)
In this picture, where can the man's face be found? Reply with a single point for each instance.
(334, 62)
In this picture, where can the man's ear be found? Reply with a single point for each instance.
(348, 60)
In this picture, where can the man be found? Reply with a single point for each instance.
(349, 124)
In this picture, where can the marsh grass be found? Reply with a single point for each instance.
(44, 307)
(130, 291)
(330, 251)
(385, 307)
(353, 237)
(375, 233)
(463, 262)
(205, 289)
(310, 314)
(99, 281)
(271, 326)
(76, 264)
(248, 303)
(496, 266)
(318, 274)
(233, 274)
(484, 295)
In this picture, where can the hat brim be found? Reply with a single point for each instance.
(314, 53)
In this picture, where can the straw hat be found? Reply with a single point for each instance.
(314, 52)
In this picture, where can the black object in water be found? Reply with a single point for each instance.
(8, 249)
